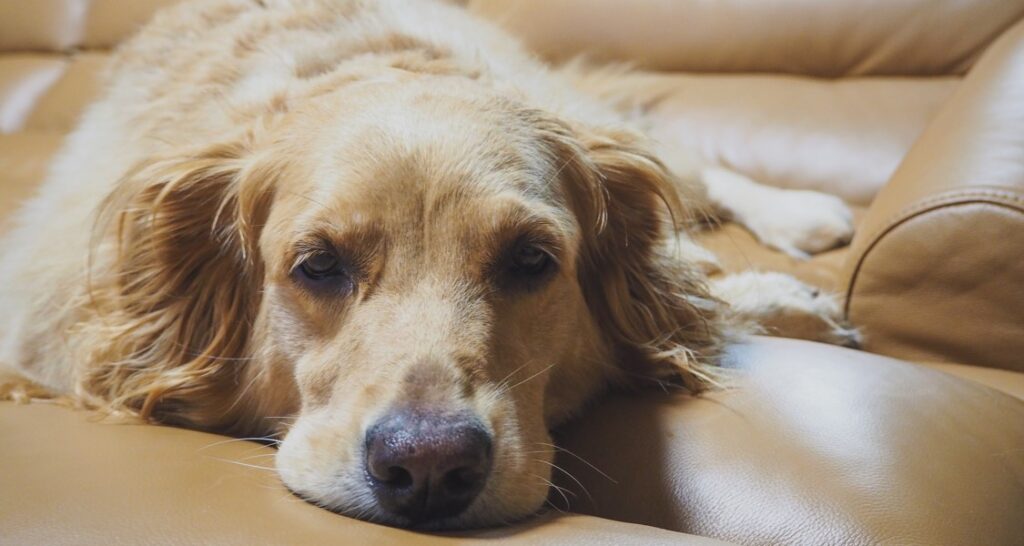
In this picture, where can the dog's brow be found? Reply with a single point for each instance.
(356, 240)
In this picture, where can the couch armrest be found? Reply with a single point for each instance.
(936, 271)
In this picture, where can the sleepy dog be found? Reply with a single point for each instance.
(387, 221)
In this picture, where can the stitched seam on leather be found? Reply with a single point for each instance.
(1005, 198)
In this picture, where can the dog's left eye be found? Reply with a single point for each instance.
(530, 260)
(320, 265)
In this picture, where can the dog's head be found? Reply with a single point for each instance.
(411, 286)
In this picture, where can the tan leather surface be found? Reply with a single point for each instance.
(60, 25)
(40, 25)
(108, 22)
(23, 81)
(834, 38)
(24, 158)
(935, 272)
(1009, 382)
(842, 137)
(68, 479)
(813, 445)
(59, 108)
(47, 92)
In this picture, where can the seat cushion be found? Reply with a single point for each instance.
(813, 444)
(23, 81)
(69, 479)
(60, 107)
(810, 444)
(24, 158)
(1010, 382)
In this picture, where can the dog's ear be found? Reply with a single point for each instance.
(652, 305)
(179, 296)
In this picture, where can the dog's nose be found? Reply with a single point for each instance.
(426, 466)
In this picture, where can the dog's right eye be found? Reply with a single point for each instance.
(324, 271)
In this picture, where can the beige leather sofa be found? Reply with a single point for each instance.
(912, 111)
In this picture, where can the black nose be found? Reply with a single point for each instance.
(425, 466)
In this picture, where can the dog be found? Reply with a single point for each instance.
(387, 222)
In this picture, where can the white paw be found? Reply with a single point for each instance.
(682, 247)
(783, 306)
(800, 223)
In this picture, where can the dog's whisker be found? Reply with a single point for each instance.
(283, 417)
(258, 456)
(571, 477)
(241, 395)
(578, 458)
(561, 490)
(239, 463)
(553, 507)
(546, 368)
(504, 382)
(233, 440)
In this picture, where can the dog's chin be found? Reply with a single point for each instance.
(472, 518)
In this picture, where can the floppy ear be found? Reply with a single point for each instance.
(177, 300)
(652, 305)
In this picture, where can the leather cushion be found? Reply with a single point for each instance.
(68, 478)
(833, 38)
(24, 158)
(813, 445)
(59, 108)
(23, 81)
(62, 25)
(1009, 382)
(40, 25)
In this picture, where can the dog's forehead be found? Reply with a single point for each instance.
(461, 130)
(428, 156)
(422, 195)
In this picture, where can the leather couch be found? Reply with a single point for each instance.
(912, 111)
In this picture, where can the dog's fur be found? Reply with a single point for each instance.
(156, 271)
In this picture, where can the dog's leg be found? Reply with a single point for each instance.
(780, 305)
(17, 388)
(681, 247)
(796, 222)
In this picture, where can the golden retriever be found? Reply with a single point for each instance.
(387, 221)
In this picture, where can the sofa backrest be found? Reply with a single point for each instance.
(826, 38)
(63, 25)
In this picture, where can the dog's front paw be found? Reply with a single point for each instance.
(682, 247)
(781, 305)
(800, 223)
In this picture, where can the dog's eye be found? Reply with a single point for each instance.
(324, 270)
(530, 260)
(320, 265)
